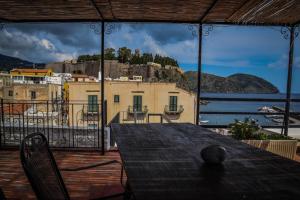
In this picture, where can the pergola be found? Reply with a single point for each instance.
(231, 12)
(274, 12)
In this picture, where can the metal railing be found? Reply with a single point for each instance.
(173, 110)
(280, 125)
(135, 110)
(65, 124)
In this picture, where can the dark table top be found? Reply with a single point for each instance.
(163, 161)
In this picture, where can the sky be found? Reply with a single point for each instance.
(226, 50)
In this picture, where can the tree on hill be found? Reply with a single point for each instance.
(165, 60)
(124, 55)
(83, 58)
(109, 54)
(146, 57)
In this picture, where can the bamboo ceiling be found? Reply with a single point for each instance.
(206, 11)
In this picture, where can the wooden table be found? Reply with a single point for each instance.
(162, 161)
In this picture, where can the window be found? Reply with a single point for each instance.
(33, 95)
(116, 98)
(10, 93)
(173, 103)
(92, 103)
(137, 103)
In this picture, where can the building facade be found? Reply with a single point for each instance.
(30, 76)
(130, 102)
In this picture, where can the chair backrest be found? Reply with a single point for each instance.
(255, 143)
(2, 197)
(285, 148)
(41, 169)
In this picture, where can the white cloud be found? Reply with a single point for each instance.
(47, 44)
(282, 62)
(151, 46)
(227, 63)
(62, 56)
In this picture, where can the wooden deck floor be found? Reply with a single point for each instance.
(79, 184)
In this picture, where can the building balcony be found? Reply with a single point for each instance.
(173, 110)
(90, 113)
(134, 110)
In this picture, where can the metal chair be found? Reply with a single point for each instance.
(284, 148)
(43, 174)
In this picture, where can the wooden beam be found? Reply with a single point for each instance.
(97, 9)
(239, 8)
(208, 10)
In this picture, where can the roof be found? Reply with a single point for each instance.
(206, 11)
(30, 70)
(80, 76)
(15, 108)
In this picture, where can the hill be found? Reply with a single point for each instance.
(7, 63)
(236, 83)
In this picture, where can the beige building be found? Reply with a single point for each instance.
(28, 92)
(5, 81)
(82, 78)
(34, 102)
(133, 101)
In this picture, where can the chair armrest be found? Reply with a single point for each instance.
(91, 166)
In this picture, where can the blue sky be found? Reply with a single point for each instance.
(261, 51)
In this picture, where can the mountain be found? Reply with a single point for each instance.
(7, 63)
(236, 83)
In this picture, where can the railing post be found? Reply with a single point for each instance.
(199, 74)
(289, 81)
(105, 112)
(134, 115)
(102, 87)
(47, 119)
(1, 123)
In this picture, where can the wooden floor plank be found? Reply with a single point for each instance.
(15, 184)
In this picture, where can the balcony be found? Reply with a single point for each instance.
(90, 113)
(173, 110)
(133, 110)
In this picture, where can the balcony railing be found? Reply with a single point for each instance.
(66, 125)
(90, 112)
(173, 110)
(135, 110)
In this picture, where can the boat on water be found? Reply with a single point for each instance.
(266, 109)
(203, 121)
(278, 120)
(275, 118)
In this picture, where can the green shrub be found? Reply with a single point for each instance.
(249, 129)
(244, 129)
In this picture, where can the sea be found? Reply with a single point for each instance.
(242, 106)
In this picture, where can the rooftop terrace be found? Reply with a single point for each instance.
(81, 185)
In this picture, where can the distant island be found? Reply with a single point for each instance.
(155, 68)
(236, 83)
